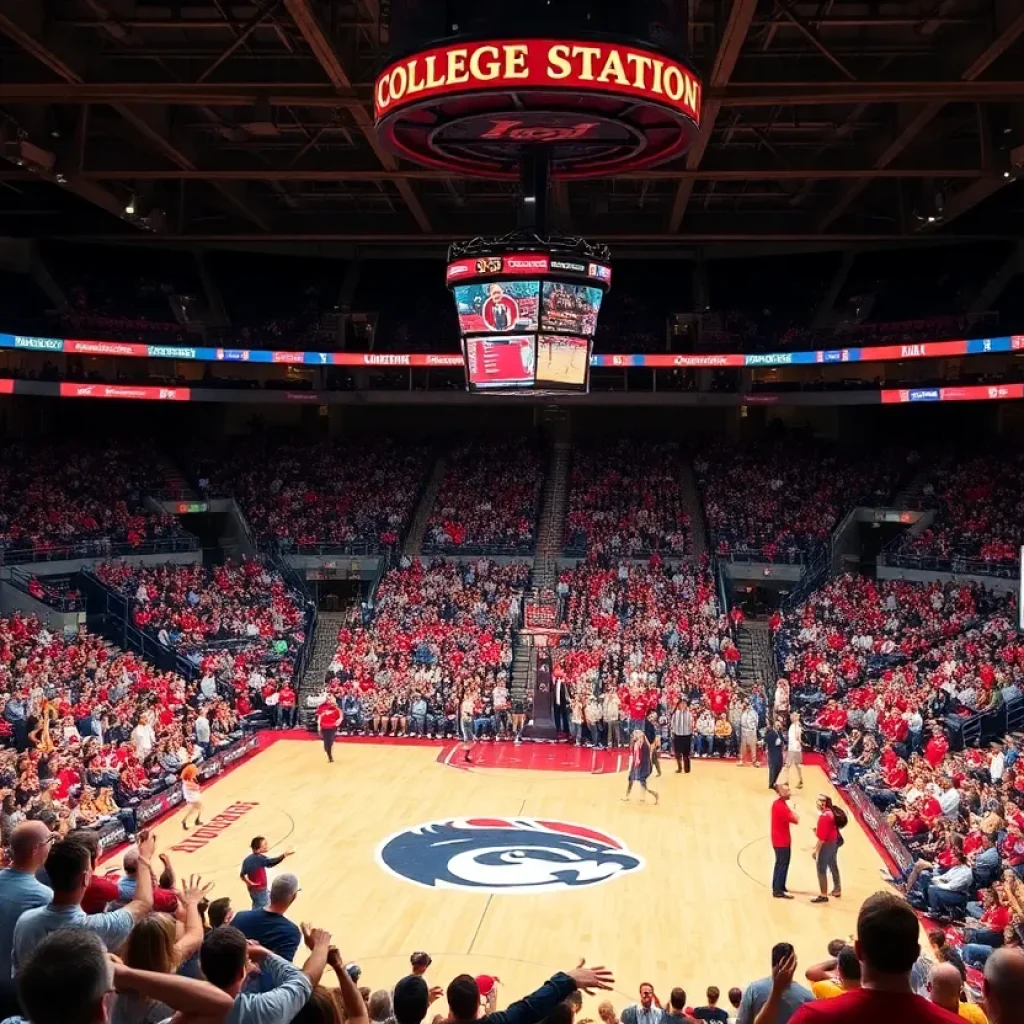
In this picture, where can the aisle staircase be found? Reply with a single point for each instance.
(551, 528)
(324, 646)
(694, 509)
(524, 661)
(177, 487)
(754, 642)
(413, 546)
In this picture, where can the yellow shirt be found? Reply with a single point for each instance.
(973, 1012)
(827, 989)
(723, 730)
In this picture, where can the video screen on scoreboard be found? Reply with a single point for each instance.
(500, 361)
(569, 308)
(499, 306)
(562, 361)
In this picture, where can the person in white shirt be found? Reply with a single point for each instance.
(997, 764)
(949, 800)
(950, 889)
(143, 737)
(795, 750)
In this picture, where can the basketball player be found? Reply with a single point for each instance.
(192, 794)
(639, 765)
(328, 717)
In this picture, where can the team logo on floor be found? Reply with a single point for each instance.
(505, 855)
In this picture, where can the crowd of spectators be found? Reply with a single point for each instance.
(87, 731)
(339, 495)
(440, 635)
(237, 608)
(88, 498)
(626, 500)
(778, 500)
(979, 508)
(489, 499)
(641, 638)
(885, 674)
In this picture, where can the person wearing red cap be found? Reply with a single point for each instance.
(488, 985)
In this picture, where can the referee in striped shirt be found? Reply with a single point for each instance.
(681, 725)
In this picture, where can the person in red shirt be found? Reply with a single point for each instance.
(937, 747)
(887, 947)
(826, 849)
(783, 816)
(328, 717)
(286, 702)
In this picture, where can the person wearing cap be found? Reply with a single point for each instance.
(269, 926)
(488, 985)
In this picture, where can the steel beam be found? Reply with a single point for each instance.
(423, 174)
(304, 94)
(920, 117)
(741, 14)
(141, 120)
(306, 21)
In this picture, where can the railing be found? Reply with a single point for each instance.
(309, 616)
(758, 556)
(117, 626)
(498, 550)
(101, 547)
(55, 599)
(954, 564)
(363, 548)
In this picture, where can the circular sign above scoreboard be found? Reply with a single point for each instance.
(597, 108)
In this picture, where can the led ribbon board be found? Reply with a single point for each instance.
(599, 107)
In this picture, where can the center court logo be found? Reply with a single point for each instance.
(505, 855)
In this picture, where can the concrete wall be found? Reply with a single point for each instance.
(996, 583)
(78, 564)
(14, 600)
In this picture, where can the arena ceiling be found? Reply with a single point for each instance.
(219, 122)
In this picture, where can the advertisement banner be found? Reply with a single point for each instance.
(148, 394)
(105, 348)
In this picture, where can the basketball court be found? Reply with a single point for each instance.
(674, 894)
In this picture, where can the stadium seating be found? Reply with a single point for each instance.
(778, 500)
(72, 499)
(332, 497)
(488, 501)
(625, 500)
(441, 630)
(979, 508)
(244, 609)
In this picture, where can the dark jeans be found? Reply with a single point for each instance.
(944, 899)
(681, 748)
(289, 716)
(828, 861)
(781, 873)
(561, 718)
(328, 738)
(774, 771)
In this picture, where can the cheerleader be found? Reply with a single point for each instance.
(192, 793)
(639, 765)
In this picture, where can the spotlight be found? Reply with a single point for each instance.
(129, 207)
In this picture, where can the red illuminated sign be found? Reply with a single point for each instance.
(106, 348)
(597, 107)
(549, 64)
(971, 393)
(149, 394)
(6, 387)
